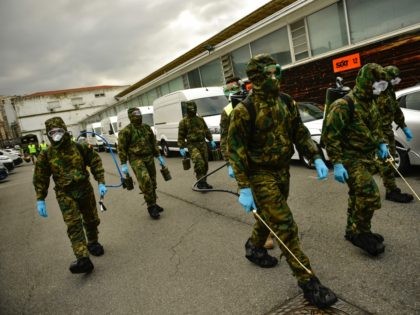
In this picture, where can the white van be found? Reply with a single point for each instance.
(109, 130)
(93, 140)
(146, 113)
(171, 108)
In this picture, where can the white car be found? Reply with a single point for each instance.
(408, 153)
(17, 160)
(7, 162)
(312, 117)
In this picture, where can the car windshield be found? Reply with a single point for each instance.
(115, 126)
(309, 112)
(208, 106)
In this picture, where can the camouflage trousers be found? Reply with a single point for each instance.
(78, 207)
(145, 171)
(271, 190)
(364, 197)
(387, 171)
(200, 157)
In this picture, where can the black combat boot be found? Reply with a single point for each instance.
(201, 185)
(159, 208)
(369, 242)
(259, 256)
(397, 196)
(153, 212)
(81, 265)
(207, 186)
(315, 293)
(348, 236)
(96, 249)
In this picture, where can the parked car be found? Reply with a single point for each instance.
(312, 117)
(3, 172)
(408, 153)
(17, 160)
(7, 162)
(13, 151)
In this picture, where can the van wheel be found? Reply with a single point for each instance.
(165, 148)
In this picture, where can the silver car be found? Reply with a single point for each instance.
(408, 153)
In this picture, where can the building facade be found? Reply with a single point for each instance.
(313, 41)
(73, 105)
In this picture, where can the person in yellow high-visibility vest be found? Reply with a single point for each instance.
(43, 146)
(32, 152)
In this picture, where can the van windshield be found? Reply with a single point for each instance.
(115, 126)
(209, 106)
(148, 119)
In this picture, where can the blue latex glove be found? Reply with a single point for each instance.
(182, 152)
(383, 150)
(408, 134)
(161, 160)
(42, 208)
(230, 172)
(246, 199)
(321, 169)
(102, 189)
(213, 145)
(340, 173)
(124, 169)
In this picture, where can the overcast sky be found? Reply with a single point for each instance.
(59, 44)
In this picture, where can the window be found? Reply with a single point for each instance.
(100, 94)
(372, 18)
(327, 29)
(194, 79)
(211, 73)
(176, 84)
(240, 58)
(300, 45)
(412, 101)
(53, 105)
(276, 44)
(77, 101)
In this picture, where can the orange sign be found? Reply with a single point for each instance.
(347, 63)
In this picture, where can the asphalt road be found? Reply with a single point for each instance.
(191, 261)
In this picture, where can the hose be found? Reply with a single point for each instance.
(112, 154)
(213, 190)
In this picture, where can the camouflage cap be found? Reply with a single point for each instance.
(392, 72)
(368, 74)
(256, 66)
(55, 122)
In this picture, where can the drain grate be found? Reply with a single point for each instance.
(299, 306)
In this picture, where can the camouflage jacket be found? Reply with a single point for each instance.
(192, 129)
(359, 137)
(269, 142)
(136, 142)
(224, 128)
(389, 111)
(67, 165)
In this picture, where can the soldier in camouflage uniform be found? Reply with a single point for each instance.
(192, 133)
(262, 131)
(352, 140)
(390, 111)
(66, 161)
(137, 144)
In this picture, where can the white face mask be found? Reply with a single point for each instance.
(58, 136)
(379, 86)
(396, 81)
